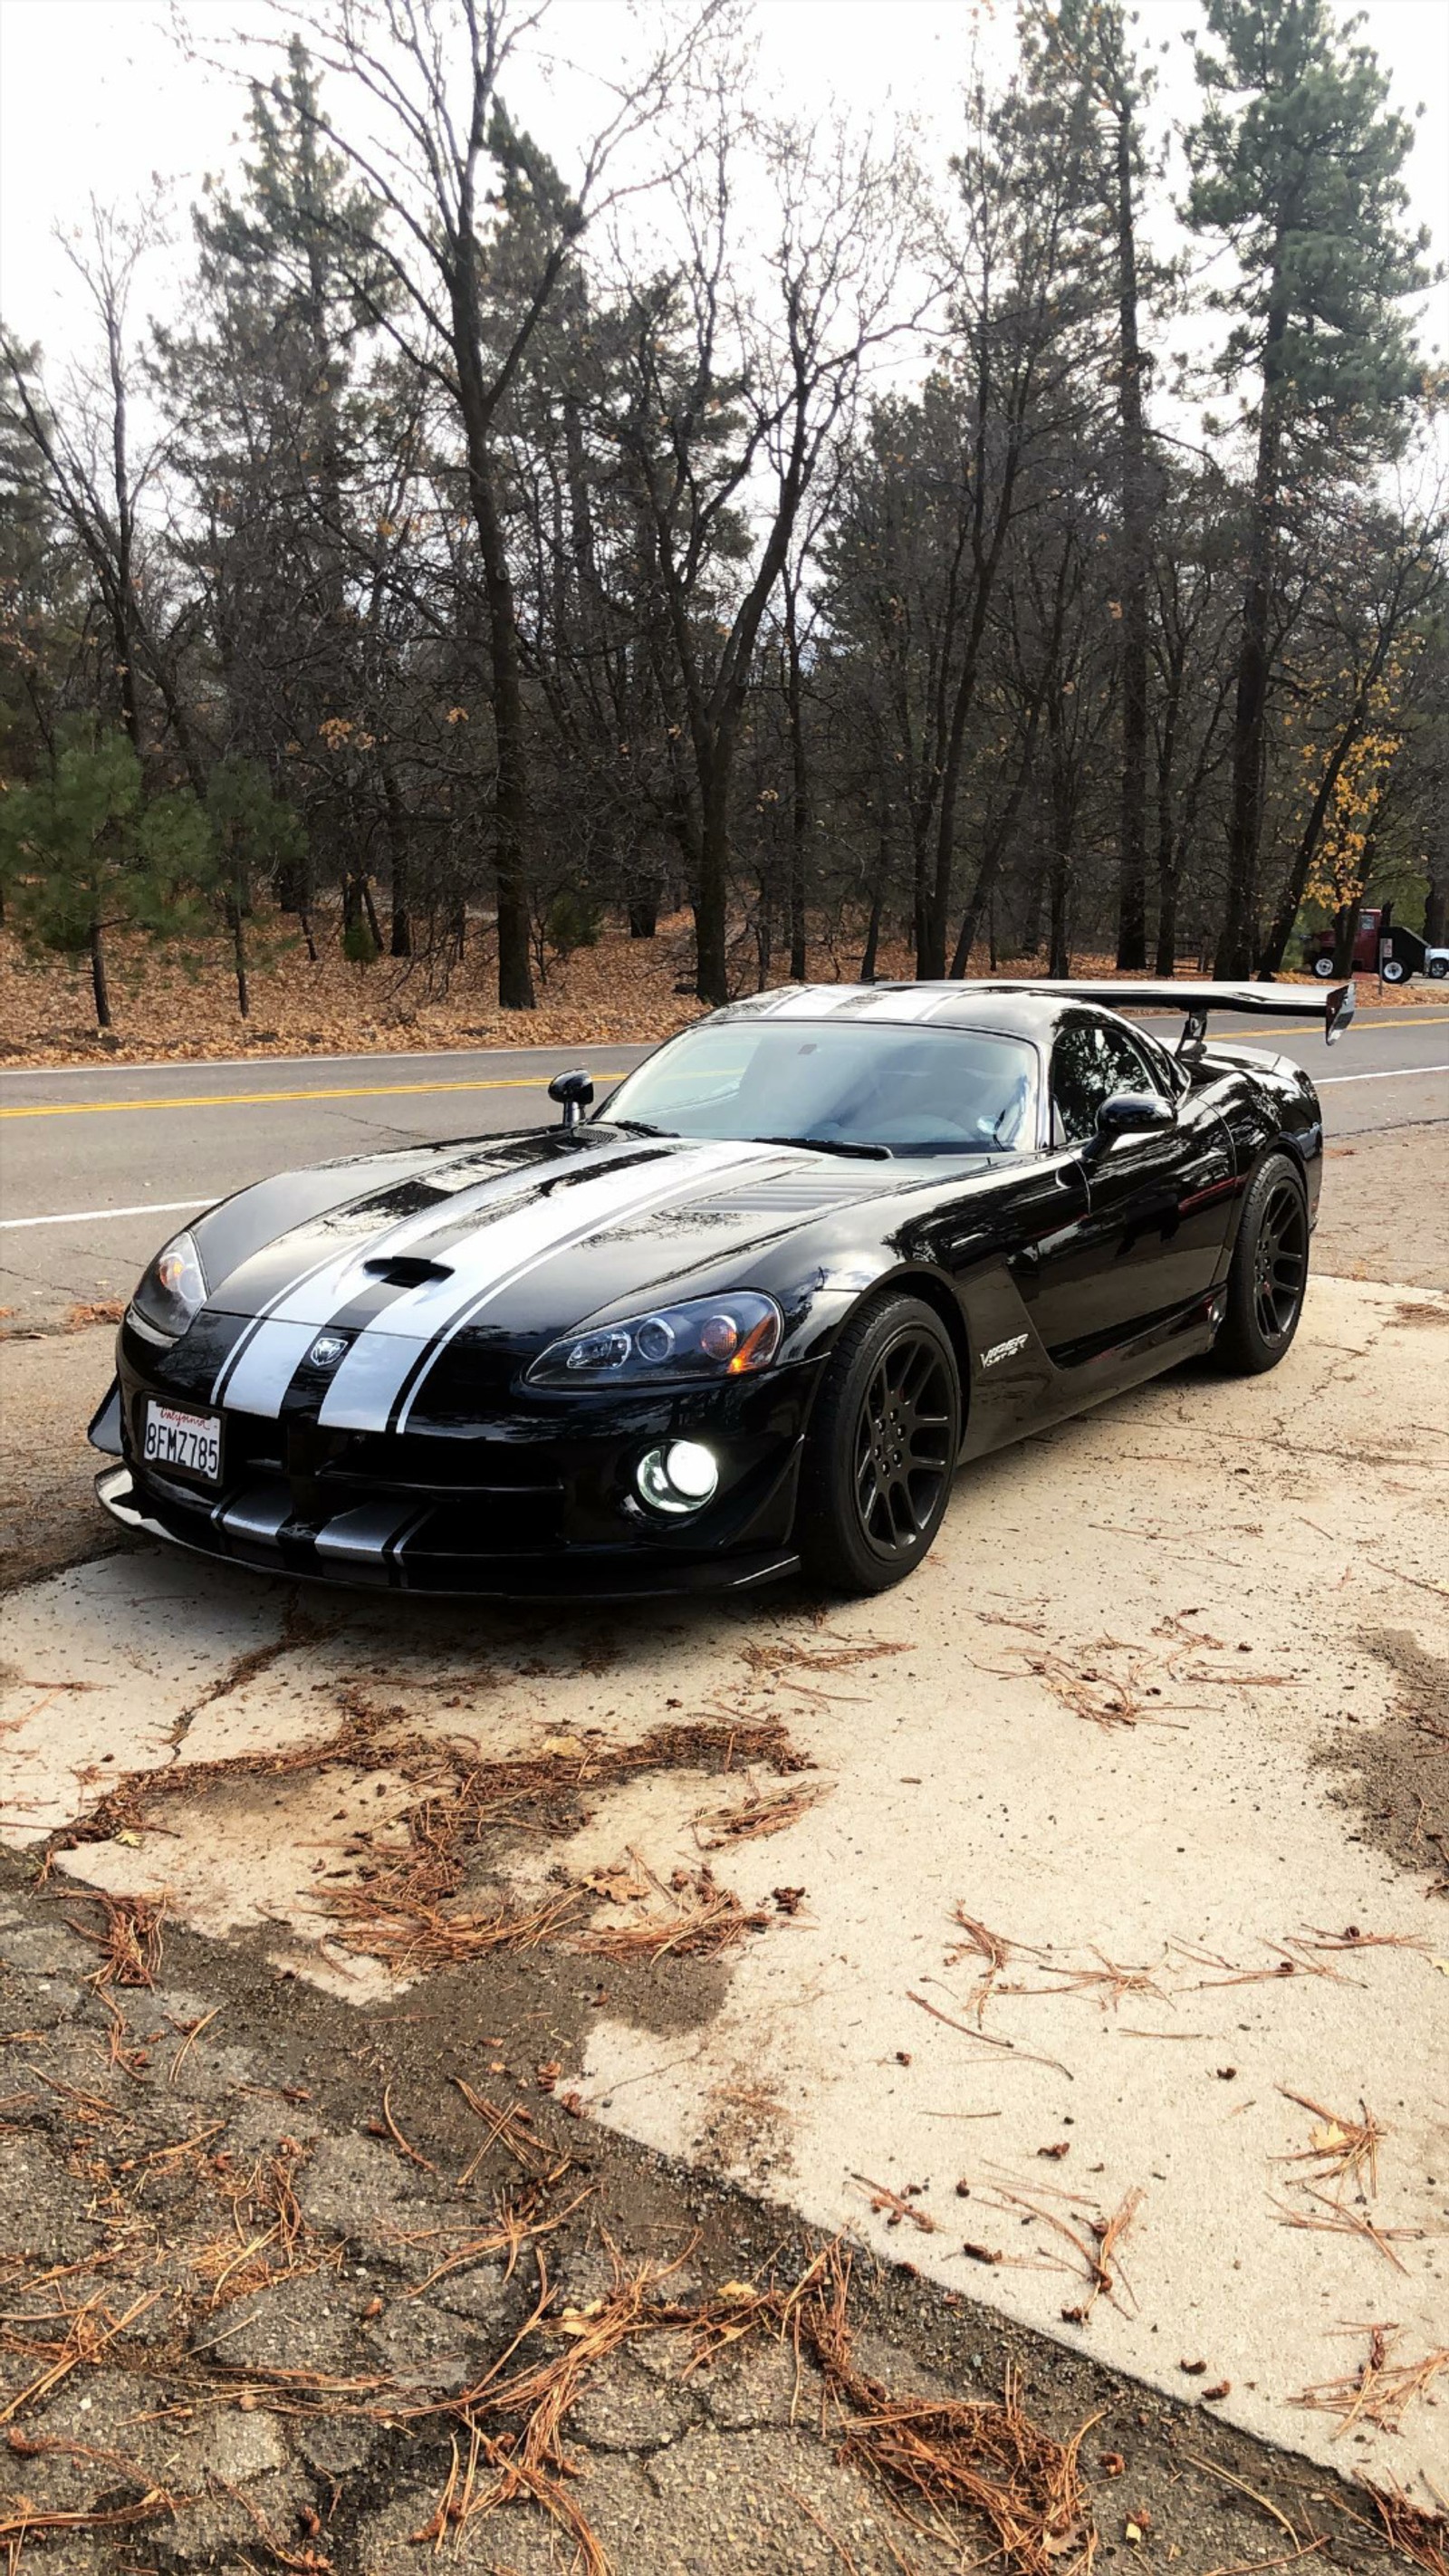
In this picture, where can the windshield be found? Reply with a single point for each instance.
(839, 1083)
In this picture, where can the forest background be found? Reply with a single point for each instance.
(722, 541)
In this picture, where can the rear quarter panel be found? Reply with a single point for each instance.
(1267, 1102)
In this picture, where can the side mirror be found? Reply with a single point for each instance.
(1131, 1113)
(573, 1091)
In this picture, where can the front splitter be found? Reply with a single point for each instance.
(564, 1576)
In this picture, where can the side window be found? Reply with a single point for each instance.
(1090, 1061)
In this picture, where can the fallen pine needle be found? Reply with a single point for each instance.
(754, 1817)
(1381, 2390)
(1422, 2536)
(883, 2198)
(1023, 2056)
(1341, 2149)
(1348, 2222)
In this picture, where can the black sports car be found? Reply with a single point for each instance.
(750, 1316)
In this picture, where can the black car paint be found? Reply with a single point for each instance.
(1062, 1278)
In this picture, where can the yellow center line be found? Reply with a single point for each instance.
(250, 1099)
(539, 1082)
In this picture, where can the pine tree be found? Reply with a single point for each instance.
(81, 856)
(1296, 163)
(268, 428)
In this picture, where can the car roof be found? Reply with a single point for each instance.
(924, 1005)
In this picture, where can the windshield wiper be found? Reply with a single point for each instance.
(827, 1145)
(638, 1127)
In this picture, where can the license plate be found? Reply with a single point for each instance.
(178, 1439)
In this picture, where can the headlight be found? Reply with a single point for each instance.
(172, 1289)
(711, 1337)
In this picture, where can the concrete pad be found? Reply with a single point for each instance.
(102, 1666)
(1095, 1722)
(1255, 1515)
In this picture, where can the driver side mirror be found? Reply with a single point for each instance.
(1130, 1113)
(574, 1092)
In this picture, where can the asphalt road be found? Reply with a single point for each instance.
(99, 1164)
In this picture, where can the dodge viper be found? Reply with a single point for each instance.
(750, 1316)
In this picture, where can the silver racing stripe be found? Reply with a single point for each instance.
(255, 1375)
(384, 1366)
(314, 1294)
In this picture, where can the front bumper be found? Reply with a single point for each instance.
(538, 1502)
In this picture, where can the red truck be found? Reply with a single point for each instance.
(1382, 946)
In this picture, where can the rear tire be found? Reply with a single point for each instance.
(881, 1450)
(1269, 1273)
(1394, 971)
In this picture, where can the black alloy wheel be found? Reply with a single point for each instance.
(1280, 1261)
(882, 1448)
(1269, 1275)
(900, 1445)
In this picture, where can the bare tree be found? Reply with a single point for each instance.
(738, 370)
(81, 453)
(475, 233)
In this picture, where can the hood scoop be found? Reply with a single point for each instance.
(407, 1270)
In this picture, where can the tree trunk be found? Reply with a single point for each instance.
(931, 959)
(1031, 915)
(99, 985)
(799, 789)
(1166, 959)
(1245, 813)
(1132, 880)
(644, 913)
(711, 981)
(399, 872)
(370, 909)
(1059, 951)
(239, 954)
(872, 934)
(1436, 908)
(984, 891)
(515, 966)
(764, 932)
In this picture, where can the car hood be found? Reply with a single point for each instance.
(505, 1218)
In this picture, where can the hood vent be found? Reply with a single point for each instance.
(792, 1194)
(407, 1270)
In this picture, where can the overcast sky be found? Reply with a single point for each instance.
(95, 96)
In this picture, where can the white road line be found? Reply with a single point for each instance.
(1396, 1073)
(93, 1216)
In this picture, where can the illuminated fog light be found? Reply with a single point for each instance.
(680, 1478)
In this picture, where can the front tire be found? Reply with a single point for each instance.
(1323, 967)
(881, 1450)
(1439, 968)
(1269, 1274)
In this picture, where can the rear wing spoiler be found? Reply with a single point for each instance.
(1334, 1007)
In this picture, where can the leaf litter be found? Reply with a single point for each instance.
(404, 1904)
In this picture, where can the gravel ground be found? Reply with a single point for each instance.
(229, 2340)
